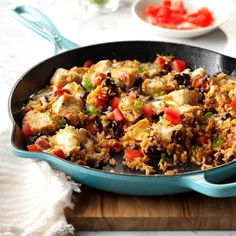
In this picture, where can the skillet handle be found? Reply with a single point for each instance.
(199, 183)
(43, 26)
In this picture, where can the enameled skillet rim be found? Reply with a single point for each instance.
(99, 170)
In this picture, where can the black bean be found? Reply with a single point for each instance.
(156, 117)
(154, 156)
(113, 125)
(186, 76)
(150, 98)
(225, 116)
(98, 123)
(167, 69)
(210, 109)
(84, 95)
(177, 136)
(31, 139)
(134, 147)
(189, 87)
(219, 158)
(182, 79)
(138, 82)
(109, 74)
(231, 157)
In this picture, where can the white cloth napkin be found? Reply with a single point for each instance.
(32, 196)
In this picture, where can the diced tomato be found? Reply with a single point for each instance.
(60, 92)
(88, 63)
(100, 102)
(148, 110)
(28, 108)
(160, 61)
(233, 104)
(171, 14)
(151, 11)
(178, 65)
(164, 12)
(172, 115)
(166, 3)
(198, 82)
(202, 139)
(43, 143)
(59, 153)
(91, 127)
(202, 17)
(133, 94)
(114, 103)
(178, 6)
(26, 130)
(99, 78)
(117, 115)
(130, 154)
(33, 148)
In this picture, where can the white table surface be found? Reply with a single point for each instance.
(20, 49)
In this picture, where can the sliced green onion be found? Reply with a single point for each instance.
(166, 158)
(156, 95)
(208, 114)
(62, 122)
(217, 142)
(181, 86)
(141, 69)
(137, 105)
(87, 84)
(90, 110)
(194, 148)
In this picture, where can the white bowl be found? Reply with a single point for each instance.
(219, 8)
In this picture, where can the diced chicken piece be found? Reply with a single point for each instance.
(137, 131)
(69, 107)
(103, 66)
(62, 76)
(40, 122)
(199, 72)
(126, 106)
(158, 85)
(70, 140)
(126, 63)
(98, 97)
(165, 132)
(188, 108)
(184, 96)
(75, 89)
(232, 93)
(124, 76)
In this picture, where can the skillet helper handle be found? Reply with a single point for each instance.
(43, 26)
(200, 184)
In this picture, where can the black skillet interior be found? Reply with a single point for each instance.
(38, 76)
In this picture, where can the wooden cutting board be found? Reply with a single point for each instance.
(97, 210)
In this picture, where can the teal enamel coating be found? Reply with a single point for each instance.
(42, 25)
(141, 184)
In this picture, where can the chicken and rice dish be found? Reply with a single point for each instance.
(156, 115)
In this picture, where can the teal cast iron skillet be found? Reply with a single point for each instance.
(120, 179)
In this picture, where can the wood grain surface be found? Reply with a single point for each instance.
(97, 210)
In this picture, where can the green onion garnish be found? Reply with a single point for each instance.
(217, 142)
(87, 84)
(90, 110)
(137, 105)
(141, 69)
(62, 122)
